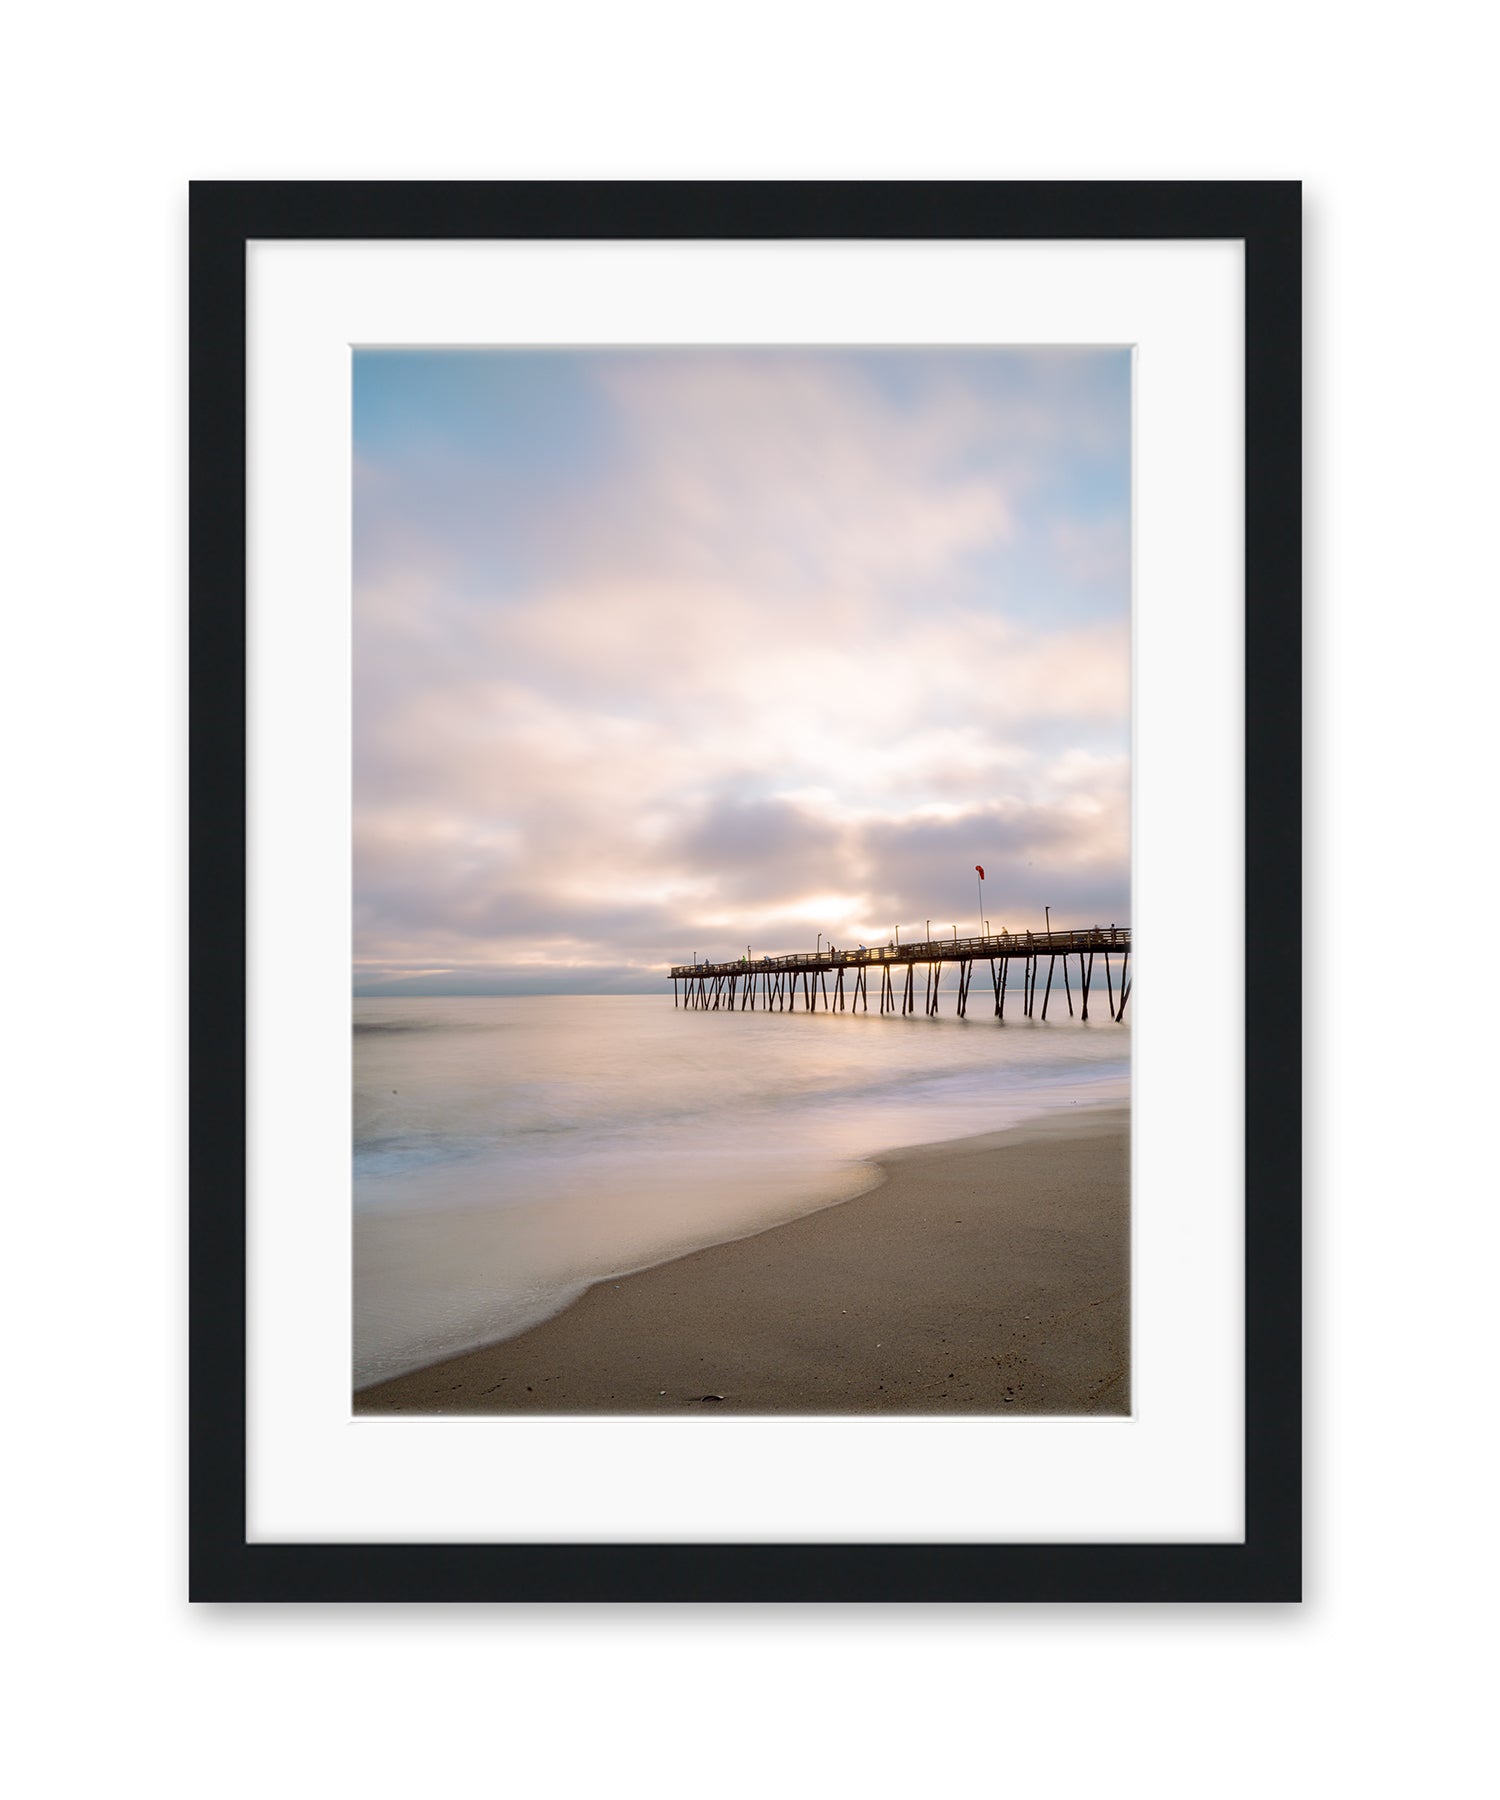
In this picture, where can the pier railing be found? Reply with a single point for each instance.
(949, 949)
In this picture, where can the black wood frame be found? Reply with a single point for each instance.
(224, 217)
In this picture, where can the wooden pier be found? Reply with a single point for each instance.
(773, 983)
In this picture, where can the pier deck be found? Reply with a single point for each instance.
(772, 983)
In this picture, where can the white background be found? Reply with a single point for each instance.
(1375, 1685)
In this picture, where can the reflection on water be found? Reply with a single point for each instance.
(509, 1152)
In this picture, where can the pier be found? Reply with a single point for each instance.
(773, 983)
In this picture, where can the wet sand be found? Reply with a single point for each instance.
(990, 1275)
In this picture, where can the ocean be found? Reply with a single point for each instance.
(508, 1153)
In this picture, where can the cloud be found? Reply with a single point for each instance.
(768, 659)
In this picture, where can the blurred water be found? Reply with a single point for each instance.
(509, 1152)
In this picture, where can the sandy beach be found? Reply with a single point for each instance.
(990, 1275)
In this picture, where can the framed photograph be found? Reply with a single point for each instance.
(707, 700)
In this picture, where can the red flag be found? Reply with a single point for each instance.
(978, 871)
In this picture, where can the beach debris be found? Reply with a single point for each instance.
(710, 1396)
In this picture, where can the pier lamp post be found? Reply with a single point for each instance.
(819, 949)
(929, 931)
(1048, 911)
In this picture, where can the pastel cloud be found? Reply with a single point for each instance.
(666, 651)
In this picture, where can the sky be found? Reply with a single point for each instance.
(673, 653)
